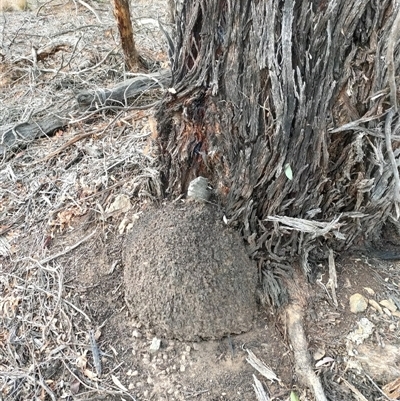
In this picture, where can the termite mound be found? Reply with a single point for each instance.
(187, 275)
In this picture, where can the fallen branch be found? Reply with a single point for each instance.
(119, 96)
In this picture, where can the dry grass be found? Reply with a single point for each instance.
(48, 346)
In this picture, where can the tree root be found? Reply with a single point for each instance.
(294, 317)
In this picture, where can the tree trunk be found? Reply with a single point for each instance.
(123, 17)
(289, 109)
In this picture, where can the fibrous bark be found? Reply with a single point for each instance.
(264, 90)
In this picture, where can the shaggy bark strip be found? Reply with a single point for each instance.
(264, 90)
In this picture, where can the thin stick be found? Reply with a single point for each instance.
(63, 147)
(68, 249)
(377, 387)
(355, 391)
(90, 8)
(332, 282)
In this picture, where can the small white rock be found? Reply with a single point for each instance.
(375, 305)
(182, 368)
(198, 189)
(389, 304)
(319, 354)
(387, 311)
(136, 333)
(358, 303)
(155, 344)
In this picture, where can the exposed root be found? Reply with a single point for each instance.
(294, 317)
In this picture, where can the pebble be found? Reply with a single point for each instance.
(375, 305)
(387, 311)
(318, 354)
(188, 348)
(131, 386)
(155, 344)
(358, 303)
(389, 304)
(139, 384)
(182, 368)
(135, 373)
(370, 291)
(364, 330)
(149, 380)
(136, 334)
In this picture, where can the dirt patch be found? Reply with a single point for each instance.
(218, 370)
(93, 299)
(187, 276)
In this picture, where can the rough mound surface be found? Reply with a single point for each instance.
(187, 275)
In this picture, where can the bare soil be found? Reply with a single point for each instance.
(66, 330)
